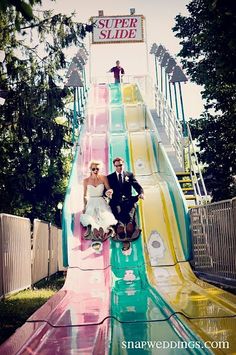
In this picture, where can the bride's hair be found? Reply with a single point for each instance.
(95, 162)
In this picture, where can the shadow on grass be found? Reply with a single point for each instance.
(17, 308)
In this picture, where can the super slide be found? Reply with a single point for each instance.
(149, 301)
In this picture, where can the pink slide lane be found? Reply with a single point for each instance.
(75, 320)
(81, 254)
(100, 95)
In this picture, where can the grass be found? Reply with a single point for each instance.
(17, 308)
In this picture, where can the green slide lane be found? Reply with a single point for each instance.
(115, 94)
(117, 119)
(138, 311)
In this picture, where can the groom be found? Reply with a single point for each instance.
(123, 204)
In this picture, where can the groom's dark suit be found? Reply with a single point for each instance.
(122, 202)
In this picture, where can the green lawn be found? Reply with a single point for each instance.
(16, 309)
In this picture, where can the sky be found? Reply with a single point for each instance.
(159, 15)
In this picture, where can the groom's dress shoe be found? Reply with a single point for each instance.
(120, 231)
(129, 229)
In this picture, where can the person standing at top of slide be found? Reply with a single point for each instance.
(118, 71)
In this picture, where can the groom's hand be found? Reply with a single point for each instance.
(141, 196)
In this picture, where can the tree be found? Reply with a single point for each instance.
(34, 152)
(20, 6)
(208, 39)
(22, 9)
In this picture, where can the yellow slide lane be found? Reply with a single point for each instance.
(162, 248)
(134, 113)
(131, 94)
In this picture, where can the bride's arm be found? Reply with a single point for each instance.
(85, 194)
(109, 191)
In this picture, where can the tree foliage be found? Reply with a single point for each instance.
(34, 154)
(22, 8)
(208, 39)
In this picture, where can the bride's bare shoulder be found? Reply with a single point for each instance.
(103, 177)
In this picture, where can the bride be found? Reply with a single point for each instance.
(97, 215)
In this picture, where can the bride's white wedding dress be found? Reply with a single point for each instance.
(98, 212)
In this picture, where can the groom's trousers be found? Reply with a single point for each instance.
(125, 210)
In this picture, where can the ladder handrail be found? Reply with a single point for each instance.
(169, 120)
(178, 141)
(191, 144)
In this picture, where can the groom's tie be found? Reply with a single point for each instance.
(120, 180)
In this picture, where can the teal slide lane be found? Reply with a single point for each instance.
(117, 119)
(115, 94)
(119, 147)
(125, 292)
(138, 311)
